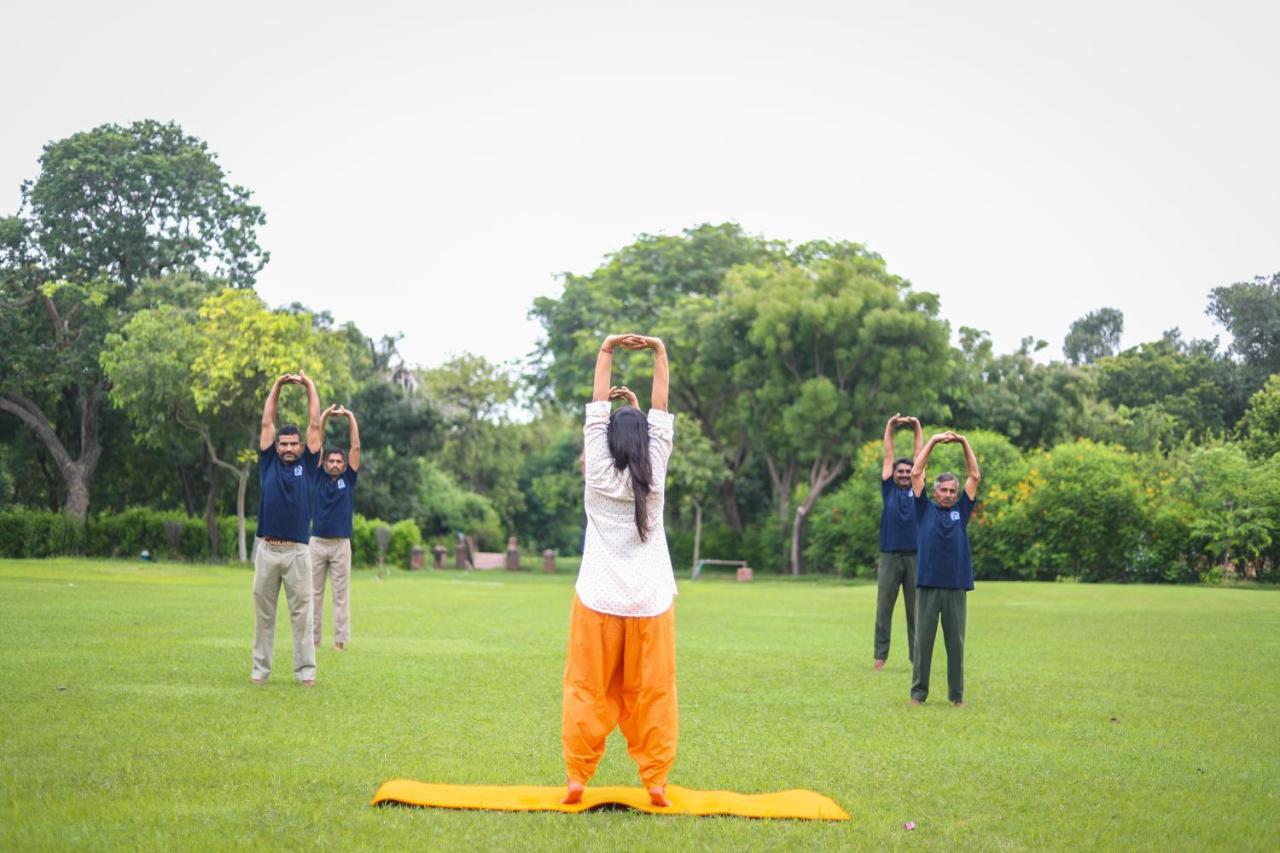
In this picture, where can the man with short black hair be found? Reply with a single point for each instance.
(944, 569)
(897, 568)
(331, 530)
(287, 470)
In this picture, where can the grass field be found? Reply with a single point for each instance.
(1098, 716)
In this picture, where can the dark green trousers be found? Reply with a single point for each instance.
(897, 569)
(949, 605)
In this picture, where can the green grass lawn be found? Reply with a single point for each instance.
(1098, 716)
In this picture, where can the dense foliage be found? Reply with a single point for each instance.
(137, 357)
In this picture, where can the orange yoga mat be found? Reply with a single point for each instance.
(796, 804)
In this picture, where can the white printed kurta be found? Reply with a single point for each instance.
(620, 574)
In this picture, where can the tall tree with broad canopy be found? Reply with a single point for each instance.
(836, 341)
(111, 207)
(1250, 311)
(1034, 404)
(1095, 335)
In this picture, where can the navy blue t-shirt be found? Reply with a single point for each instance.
(898, 518)
(284, 511)
(331, 515)
(943, 552)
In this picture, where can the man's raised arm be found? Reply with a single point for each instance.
(971, 462)
(315, 432)
(324, 426)
(922, 462)
(887, 471)
(919, 440)
(353, 452)
(267, 436)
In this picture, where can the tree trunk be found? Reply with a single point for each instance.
(820, 476)
(188, 502)
(784, 479)
(243, 473)
(729, 497)
(211, 511)
(797, 564)
(76, 473)
(697, 533)
(77, 506)
(50, 482)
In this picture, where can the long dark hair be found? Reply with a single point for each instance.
(629, 446)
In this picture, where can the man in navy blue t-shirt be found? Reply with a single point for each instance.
(897, 567)
(331, 530)
(287, 471)
(944, 571)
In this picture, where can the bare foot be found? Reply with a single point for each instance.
(658, 796)
(573, 793)
(259, 681)
(915, 702)
(959, 703)
(879, 664)
(339, 646)
(308, 682)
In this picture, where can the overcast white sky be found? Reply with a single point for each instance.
(428, 168)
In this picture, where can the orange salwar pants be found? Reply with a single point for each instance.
(621, 671)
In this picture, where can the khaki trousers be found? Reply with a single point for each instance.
(290, 566)
(621, 671)
(331, 556)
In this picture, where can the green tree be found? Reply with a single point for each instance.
(1234, 503)
(836, 343)
(480, 449)
(694, 477)
(398, 426)
(1095, 335)
(1259, 429)
(1156, 379)
(110, 208)
(138, 202)
(1034, 404)
(1250, 311)
(49, 378)
(551, 478)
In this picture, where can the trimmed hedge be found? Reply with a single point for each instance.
(28, 534)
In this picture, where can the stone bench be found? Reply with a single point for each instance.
(467, 557)
(744, 571)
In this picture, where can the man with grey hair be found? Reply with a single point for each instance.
(944, 570)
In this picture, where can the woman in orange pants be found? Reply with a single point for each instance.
(621, 667)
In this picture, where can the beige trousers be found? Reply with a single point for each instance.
(332, 556)
(290, 566)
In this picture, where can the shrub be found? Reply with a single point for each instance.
(26, 533)
(404, 536)
(1080, 509)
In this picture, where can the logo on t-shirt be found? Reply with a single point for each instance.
(297, 471)
(342, 484)
(955, 515)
